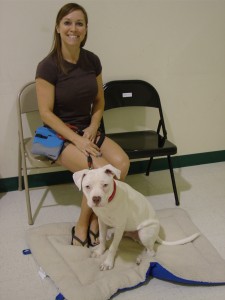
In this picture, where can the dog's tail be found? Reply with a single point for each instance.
(179, 242)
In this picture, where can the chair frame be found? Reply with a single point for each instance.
(27, 103)
(117, 101)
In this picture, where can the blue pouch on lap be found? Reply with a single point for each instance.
(46, 142)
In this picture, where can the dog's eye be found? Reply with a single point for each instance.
(105, 185)
(87, 187)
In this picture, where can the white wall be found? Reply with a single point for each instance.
(177, 45)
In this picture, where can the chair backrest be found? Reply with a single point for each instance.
(27, 98)
(27, 111)
(124, 93)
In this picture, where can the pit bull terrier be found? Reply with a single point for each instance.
(121, 207)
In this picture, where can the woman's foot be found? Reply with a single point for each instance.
(80, 236)
(93, 231)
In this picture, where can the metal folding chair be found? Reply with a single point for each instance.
(148, 143)
(28, 120)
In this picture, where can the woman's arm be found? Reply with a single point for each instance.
(46, 95)
(97, 111)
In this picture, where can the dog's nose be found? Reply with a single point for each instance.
(96, 199)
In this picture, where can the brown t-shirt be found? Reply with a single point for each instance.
(74, 91)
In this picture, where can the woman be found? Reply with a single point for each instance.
(70, 91)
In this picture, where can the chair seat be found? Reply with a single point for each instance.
(141, 144)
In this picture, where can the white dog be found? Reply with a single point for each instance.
(119, 206)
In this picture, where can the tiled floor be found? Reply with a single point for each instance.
(202, 195)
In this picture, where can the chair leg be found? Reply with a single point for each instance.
(149, 166)
(27, 193)
(173, 181)
(20, 181)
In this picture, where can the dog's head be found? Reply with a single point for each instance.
(97, 184)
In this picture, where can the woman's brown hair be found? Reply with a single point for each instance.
(56, 46)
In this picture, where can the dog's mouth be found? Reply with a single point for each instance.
(97, 205)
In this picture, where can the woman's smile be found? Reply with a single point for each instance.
(72, 28)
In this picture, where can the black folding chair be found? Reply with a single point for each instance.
(146, 143)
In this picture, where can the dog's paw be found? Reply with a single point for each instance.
(97, 251)
(145, 255)
(106, 265)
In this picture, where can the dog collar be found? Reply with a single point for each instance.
(114, 191)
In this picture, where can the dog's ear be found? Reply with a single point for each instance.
(78, 177)
(109, 169)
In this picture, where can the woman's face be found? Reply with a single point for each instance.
(72, 28)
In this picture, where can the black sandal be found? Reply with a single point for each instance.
(83, 243)
(95, 235)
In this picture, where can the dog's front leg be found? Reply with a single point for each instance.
(100, 249)
(109, 261)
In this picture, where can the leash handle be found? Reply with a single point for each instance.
(90, 162)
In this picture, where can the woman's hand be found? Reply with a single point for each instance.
(90, 133)
(86, 146)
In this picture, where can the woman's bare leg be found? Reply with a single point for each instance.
(94, 230)
(74, 160)
(82, 225)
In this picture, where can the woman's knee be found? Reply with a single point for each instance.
(123, 165)
(115, 155)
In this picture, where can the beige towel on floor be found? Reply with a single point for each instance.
(78, 276)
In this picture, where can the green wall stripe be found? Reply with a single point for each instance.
(46, 179)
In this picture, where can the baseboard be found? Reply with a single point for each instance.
(47, 179)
